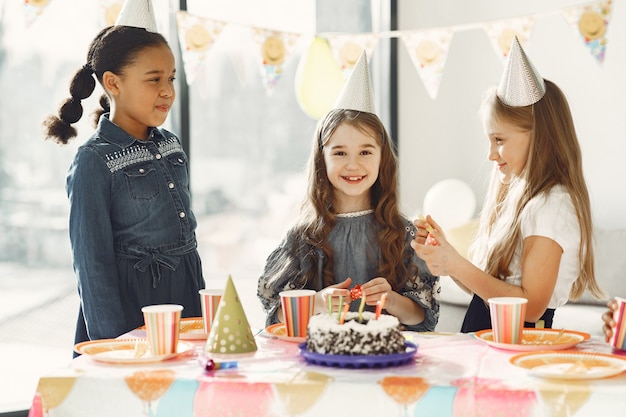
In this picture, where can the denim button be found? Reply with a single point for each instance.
(171, 185)
(181, 214)
(158, 156)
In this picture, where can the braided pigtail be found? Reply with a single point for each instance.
(59, 128)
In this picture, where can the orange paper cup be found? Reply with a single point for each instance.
(210, 300)
(163, 326)
(507, 318)
(297, 310)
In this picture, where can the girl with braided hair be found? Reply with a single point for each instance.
(131, 227)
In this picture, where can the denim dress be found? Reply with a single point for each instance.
(131, 229)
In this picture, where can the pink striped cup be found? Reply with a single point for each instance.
(163, 326)
(297, 310)
(210, 300)
(507, 318)
(618, 340)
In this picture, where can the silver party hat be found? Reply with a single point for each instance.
(521, 84)
(357, 92)
(137, 13)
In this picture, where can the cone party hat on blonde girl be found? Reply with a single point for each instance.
(230, 330)
(521, 84)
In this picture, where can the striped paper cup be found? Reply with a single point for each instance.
(618, 340)
(297, 310)
(163, 326)
(507, 318)
(210, 301)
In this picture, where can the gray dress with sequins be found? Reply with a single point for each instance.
(356, 255)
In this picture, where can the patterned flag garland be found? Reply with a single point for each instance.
(502, 32)
(33, 9)
(347, 49)
(428, 50)
(591, 21)
(275, 50)
(109, 11)
(196, 36)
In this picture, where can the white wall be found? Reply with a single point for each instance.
(443, 138)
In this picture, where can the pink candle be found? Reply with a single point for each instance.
(380, 304)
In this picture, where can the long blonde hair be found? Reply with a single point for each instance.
(554, 158)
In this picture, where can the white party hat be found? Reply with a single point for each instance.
(137, 13)
(357, 93)
(521, 84)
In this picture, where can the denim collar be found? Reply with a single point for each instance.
(115, 135)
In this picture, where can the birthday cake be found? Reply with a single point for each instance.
(372, 336)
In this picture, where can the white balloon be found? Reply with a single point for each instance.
(450, 202)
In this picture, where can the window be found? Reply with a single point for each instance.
(247, 150)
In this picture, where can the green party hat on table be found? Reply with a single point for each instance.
(230, 331)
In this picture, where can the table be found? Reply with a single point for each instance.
(453, 375)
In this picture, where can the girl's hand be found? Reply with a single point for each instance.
(374, 289)
(422, 229)
(607, 319)
(425, 230)
(331, 294)
(438, 257)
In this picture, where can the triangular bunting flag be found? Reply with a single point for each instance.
(429, 49)
(230, 330)
(591, 21)
(110, 11)
(502, 32)
(34, 9)
(275, 49)
(196, 36)
(348, 48)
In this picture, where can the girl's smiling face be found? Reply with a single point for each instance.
(352, 159)
(508, 148)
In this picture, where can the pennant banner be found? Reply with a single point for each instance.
(347, 49)
(428, 50)
(502, 32)
(196, 36)
(592, 22)
(109, 11)
(275, 49)
(34, 9)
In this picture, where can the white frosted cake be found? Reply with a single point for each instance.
(372, 337)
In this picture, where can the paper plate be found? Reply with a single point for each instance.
(360, 361)
(191, 328)
(125, 351)
(278, 330)
(570, 365)
(537, 339)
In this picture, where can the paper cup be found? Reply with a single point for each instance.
(618, 340)
(163, 326)
(507, 318)
(210, 300)
(297, 310)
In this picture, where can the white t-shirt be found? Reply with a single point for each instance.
(551, 215)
